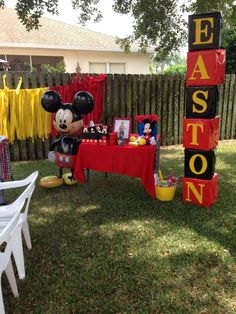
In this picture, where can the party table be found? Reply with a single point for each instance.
(134, 161)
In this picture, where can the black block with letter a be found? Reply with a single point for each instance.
(204, 31)
(201, 102)
(199, 164)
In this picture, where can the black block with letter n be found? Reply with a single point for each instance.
(199, 164)
(201, 101)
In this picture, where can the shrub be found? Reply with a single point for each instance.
(176, 69)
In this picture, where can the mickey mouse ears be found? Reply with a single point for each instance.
(83, 102)
(51, 101)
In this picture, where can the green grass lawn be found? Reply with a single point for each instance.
(115, 252)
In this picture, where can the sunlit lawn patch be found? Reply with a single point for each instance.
(115, 252)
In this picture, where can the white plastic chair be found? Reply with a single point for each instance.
(6, 213)
(7, 236)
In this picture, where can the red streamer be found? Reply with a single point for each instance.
(95, 85)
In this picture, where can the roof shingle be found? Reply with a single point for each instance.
(53, 34)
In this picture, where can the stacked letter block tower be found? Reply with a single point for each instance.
(205, 70)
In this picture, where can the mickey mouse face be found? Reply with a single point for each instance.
(63, 119)
(68, 118)
(147, 128)
(65, 124)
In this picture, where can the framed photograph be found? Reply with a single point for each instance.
(123, 127)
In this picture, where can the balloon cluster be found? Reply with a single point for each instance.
(68, 122)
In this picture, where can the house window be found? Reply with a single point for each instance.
(4, 65)
(97, 67)
(19, 63)
(117, 68)
(37, 61)
(27, 63)
(113, 68)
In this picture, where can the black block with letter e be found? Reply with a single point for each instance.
(204, 31)
(199, 164)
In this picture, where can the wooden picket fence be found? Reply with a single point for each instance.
(128, 96)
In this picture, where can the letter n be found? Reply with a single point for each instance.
(198, 193)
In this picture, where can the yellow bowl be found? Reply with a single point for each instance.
(50, 182)
(165, 193)
(67, 180)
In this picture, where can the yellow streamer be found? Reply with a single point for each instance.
(19, 84)
(4, 82)
(4, 107)
(21, 113)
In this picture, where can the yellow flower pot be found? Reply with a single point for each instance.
(165, 193)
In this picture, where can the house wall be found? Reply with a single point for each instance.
(135, 63)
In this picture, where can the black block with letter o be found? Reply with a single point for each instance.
(199, 164)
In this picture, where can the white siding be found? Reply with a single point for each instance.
(135, 63)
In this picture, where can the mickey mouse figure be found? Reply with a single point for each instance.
(68, 122)
(147, 130)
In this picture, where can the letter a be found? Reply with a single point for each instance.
(200, 68)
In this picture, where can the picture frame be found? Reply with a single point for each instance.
(123, 127)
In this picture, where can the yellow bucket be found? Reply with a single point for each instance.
(165, 193)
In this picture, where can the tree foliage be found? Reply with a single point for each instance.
(229, 42)
(226, 7)
(60, 67)
(176, 69)
(173, 64)
(158, 24)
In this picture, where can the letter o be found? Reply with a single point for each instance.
(192, 166)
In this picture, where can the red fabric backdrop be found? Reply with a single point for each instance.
(94, 85)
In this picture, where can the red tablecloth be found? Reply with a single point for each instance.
(133, 161)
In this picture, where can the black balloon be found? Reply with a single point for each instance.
(69, 123)
(83, 102)
(51, 101)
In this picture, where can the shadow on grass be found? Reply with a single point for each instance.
(89, 257)
(229, 158)
(113, 252)
(75, 267)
